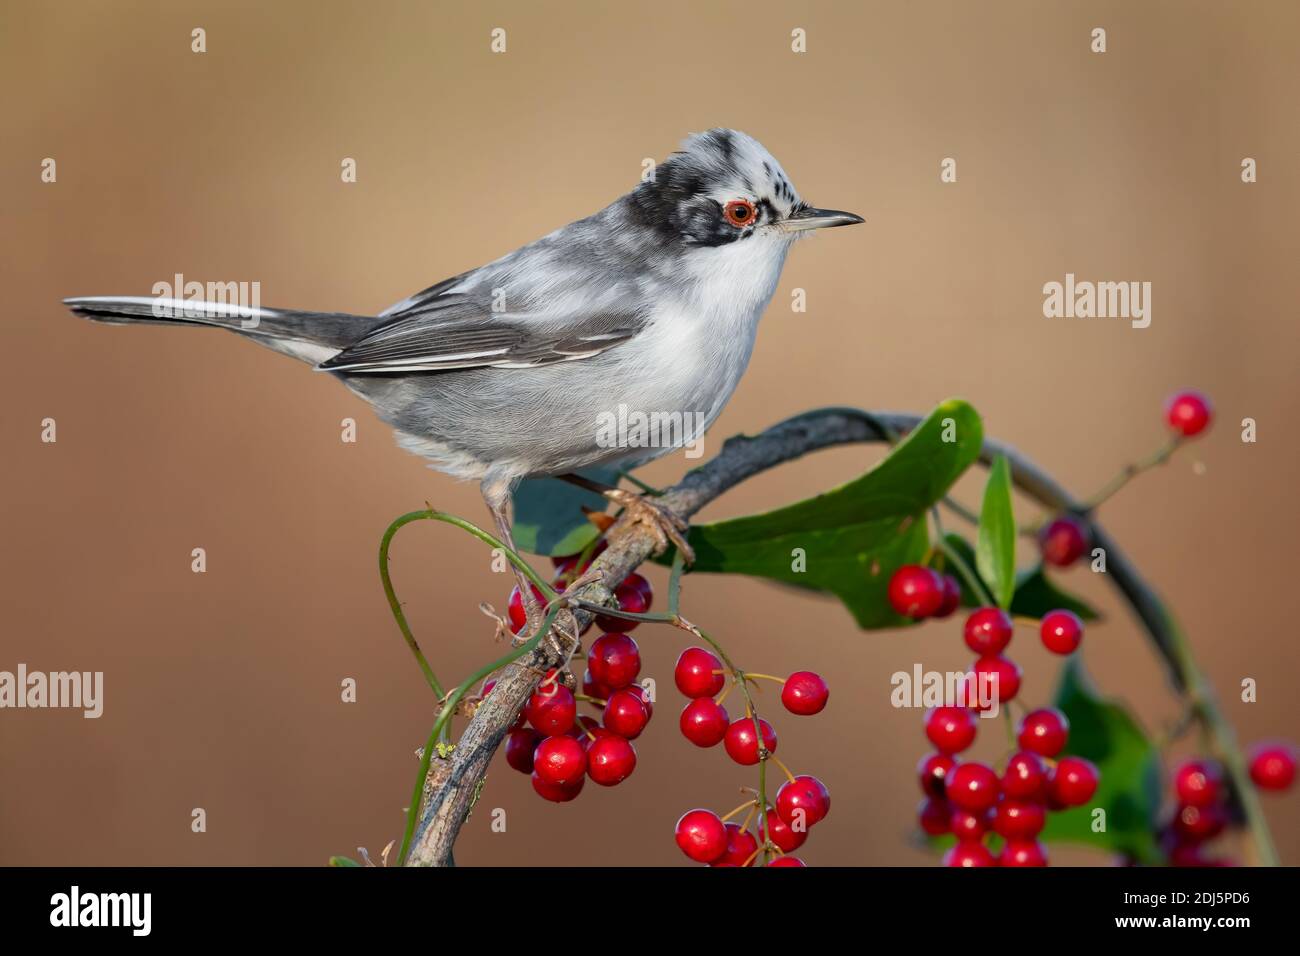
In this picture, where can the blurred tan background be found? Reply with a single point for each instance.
(222, 689)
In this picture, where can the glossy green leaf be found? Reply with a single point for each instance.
(1107, 734)
(995, 547)
(850, 540)
(548, 516)
(343, 861)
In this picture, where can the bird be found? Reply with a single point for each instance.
(501, 373)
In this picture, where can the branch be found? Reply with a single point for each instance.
(454, 782)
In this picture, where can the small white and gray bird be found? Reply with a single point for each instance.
(503, 372)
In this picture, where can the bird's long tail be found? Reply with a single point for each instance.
(309, 336)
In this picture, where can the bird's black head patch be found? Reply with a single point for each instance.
(687, 199)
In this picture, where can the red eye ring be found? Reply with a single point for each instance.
(740, 213)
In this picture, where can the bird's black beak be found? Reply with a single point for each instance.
(810, 217)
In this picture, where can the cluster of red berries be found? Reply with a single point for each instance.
(550, 741)
(560, 749)
(970, 800)
(801, 802)
(1202, 809)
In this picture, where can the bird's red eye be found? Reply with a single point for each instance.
(739, 212)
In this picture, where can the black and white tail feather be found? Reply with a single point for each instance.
(311, 337)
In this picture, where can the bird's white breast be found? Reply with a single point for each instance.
(702, 336)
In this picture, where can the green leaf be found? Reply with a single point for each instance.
(1036, 595)
(548, 517)
(855, 536)
(1106, 733)
(343, 861)
(995, 548)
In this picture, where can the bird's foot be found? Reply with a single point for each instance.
(665, 525)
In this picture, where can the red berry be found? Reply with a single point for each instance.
(1043, 732)
(515, 608)
(1025, 777)
(1061, 631)
(969, 853)
(551, 708)
(742, 744)
(610, 760)
(972, 786)
(1019, 819)
(804, 693)
(701, 835)
(614, 660)
(1272, 766)
(704, 723)
(997, 679)
(966, 825)
(932, 770)
(1073, 782)
(560, 761)
(988, 631)
(626, 713)
(555, 792)
(1198, 824)
(916, 591)
(803, 799)
(782, 834)
(741, 845)
(950, 729)
(951, 597)
(787, 861)
(1023, 853)
(519, 748)
(1063, 541)
(1188, 413)
(634, 596)
(934, 816)
(695, 673)
(1198, 783)
(594, 688)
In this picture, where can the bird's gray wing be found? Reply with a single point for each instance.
(424, 298)
(459, 332)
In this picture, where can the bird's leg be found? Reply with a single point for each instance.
(665, 525)
(497, 496)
